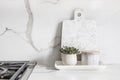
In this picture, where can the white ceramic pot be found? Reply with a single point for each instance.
(69, 59)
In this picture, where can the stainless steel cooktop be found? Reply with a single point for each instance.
(15, 70)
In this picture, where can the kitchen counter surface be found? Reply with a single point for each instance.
(112, 72)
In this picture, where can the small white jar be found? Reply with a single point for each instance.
(69, 59)
(90, 58)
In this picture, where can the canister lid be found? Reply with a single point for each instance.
(89, 52)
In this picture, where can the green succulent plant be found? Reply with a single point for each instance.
(69, 50)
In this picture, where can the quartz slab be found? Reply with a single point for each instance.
(39, 22)
(110, 73)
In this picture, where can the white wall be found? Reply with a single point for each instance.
(45, 28)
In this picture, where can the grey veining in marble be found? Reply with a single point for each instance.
(29, 25)
(27, 35)
(51, 1)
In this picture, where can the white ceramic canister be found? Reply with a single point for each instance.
(93, 59)
(84, 59)
(90, 58)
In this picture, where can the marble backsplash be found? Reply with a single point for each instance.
(31, 29)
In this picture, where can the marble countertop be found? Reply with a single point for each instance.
(112, 72)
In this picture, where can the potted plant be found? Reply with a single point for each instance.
(68, 55)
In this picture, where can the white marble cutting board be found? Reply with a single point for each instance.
(80, 32)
